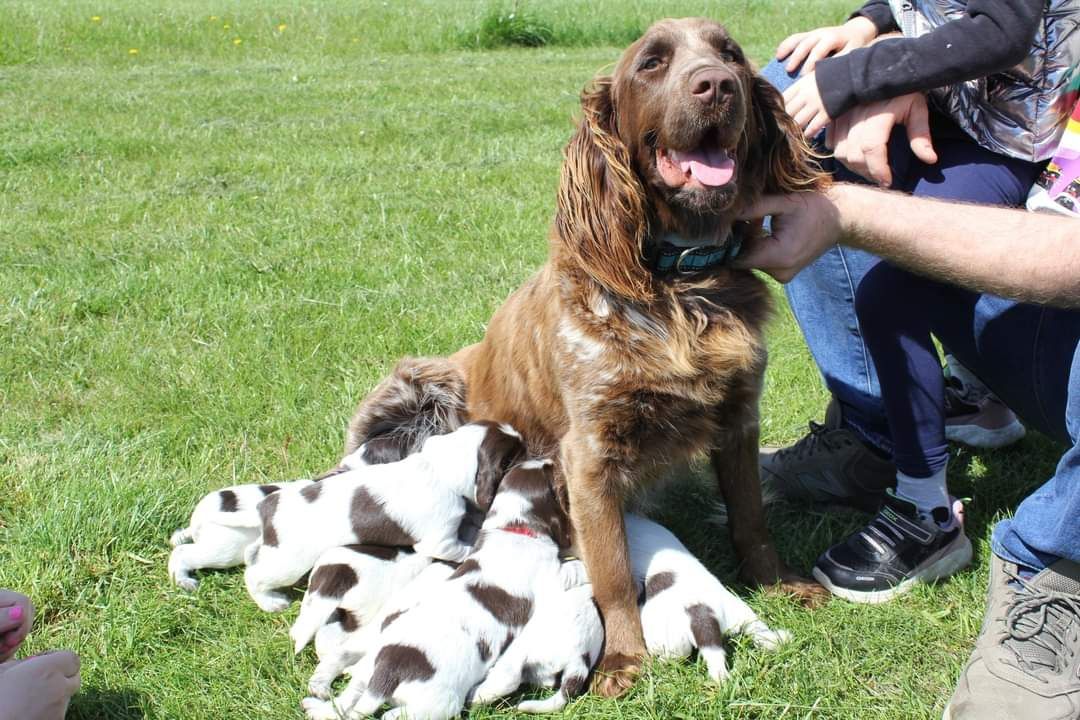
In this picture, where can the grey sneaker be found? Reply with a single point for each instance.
(985, 422)
(829, 466)
(1026, 662)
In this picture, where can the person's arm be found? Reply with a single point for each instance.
(1026, 256)
(879, 13)
(992, 35)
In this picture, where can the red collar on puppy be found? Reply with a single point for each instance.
(520, 529)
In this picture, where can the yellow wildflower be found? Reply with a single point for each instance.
(237, 41)
(133, 51)
(226, 26)
(213, 18)
(281, 27)
(96, 18)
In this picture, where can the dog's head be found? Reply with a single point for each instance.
(681, 137)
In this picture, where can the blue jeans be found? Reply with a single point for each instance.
(1026, 354)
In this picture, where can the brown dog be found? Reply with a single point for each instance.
(613, 361)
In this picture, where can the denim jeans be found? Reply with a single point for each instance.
(1026, 354)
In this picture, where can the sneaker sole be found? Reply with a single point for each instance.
(980, 437)
(949, 560)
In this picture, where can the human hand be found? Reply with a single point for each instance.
(859, 138)
(16, 618)
(806, 48)
(804, 225)
(40, 687)
(803, 103)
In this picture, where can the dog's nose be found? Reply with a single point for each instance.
(712, 86)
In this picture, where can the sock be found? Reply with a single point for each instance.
(927, 494)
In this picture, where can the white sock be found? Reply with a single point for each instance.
(925, 493)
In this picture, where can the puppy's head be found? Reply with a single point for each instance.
(500, 449)
(527, 499)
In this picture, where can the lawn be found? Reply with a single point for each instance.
(224, 221)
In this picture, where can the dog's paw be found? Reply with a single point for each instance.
(317, 709)
(807, 593)
(771, 639)
(615, 674)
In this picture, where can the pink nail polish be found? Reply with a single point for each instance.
(15, 613)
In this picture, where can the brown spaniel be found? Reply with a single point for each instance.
(637, 345)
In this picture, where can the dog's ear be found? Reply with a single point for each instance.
(499, 451)
(385, 449)
(600, 222)
(777, 150)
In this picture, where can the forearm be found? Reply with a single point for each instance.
(991, 37)
(1025, 256)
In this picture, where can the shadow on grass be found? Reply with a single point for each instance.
(105, 704)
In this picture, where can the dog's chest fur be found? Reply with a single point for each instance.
(644, 379)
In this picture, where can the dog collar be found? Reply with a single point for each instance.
(520, 530)
(677, 255)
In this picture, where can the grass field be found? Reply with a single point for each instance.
(224, 221)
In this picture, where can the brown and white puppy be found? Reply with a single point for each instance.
(427, 659)
(348, 587)
(683, 606)
(225, 522)
(417, 502)
(619, 368)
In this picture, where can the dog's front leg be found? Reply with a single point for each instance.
(735, 462)
(596, 486)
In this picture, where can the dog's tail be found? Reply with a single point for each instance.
(421, 397)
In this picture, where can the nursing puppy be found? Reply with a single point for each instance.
(683, 606)
(348, 587)
(426, 660)
(344, 641)
(225, 522)
(557, 648)
(419, 501)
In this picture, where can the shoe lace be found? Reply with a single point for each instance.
(819, 439)
(1038, 626)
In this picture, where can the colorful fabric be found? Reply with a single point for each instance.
(1058, 188)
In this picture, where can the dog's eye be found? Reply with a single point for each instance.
(650, 63)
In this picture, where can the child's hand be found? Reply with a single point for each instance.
(803, 103)
(40, 687)
(16, 617)
(860, 137)
(806, 48)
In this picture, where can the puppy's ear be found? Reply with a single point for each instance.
(777, 150)
(499, 451)
(385, 449)
(600, 222)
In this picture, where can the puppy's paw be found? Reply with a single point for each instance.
(771, 639)
(320, 688)
(186, 582)
(271, 602)
(615, 674)
(317, 709)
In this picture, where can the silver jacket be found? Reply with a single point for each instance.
(1019, 112)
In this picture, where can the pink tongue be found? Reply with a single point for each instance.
(709, 167)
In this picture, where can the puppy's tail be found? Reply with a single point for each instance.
(421, 397)
(315, 611)
(181, 537)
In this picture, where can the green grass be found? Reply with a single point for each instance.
(212, 250)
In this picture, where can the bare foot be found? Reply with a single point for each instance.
(615, 674)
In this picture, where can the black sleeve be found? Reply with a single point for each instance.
(879, 13)
(993, 35)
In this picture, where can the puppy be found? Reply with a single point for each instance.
(348, 587)
(344, 641)
(226, 522)
(426, 660)
(683, 605)
(418, 501)
(558, 647)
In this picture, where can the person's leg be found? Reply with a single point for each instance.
(1023, 664)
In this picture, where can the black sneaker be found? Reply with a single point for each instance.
(897, 549)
